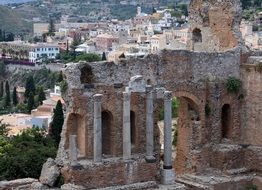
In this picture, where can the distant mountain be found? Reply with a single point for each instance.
(3, 2)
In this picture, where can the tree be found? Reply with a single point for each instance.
(153, 10)
(15, 101)
(30, 86)
(51, 28)
(7, 102)
(88, 57)
(104, 56)
(1, 89)
(4, 129)
(2, 69)
(30, 102)
(41, 95)
(246, 3)
(24, 154)
(57, 123)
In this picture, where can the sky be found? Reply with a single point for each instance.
(13, 1)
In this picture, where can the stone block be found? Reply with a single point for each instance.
(49, 173)
(168, 177)
(137, 84)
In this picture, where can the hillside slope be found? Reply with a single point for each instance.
(12, 21)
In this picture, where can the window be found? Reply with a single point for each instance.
(197, 35)
(226, 121)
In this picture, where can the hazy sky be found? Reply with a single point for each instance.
(13, 1)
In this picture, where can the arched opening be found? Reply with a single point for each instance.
(75, 126)
(86, 74)
(197, 35)
(226, 121)
(133, 127)
(186, 130)
(106, 132)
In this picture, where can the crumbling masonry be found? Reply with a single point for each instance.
(110, 135)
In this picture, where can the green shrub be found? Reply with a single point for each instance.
(233, 85)
(24, 154)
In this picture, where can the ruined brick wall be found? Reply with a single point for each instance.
(214, 25)
(251, 75)
(184, 73)
(116, 172)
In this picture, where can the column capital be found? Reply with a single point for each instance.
(149, 88)
(98, 97)
(168, 95)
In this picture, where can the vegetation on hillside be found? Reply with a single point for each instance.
(23, 155)
(12, 21)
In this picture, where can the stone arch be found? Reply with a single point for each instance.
(226, 121)
(86, 76)
(75, 126)
(197, 35)
(107, 121)
(190, 123)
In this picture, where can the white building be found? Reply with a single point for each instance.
(43, 51)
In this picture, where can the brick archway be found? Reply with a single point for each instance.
(190, 126)
(107, 121)
(75, 126)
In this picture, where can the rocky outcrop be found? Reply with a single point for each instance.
(49, 173)
(19, 183)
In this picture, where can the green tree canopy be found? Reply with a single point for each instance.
(57, 123)
(30, 102)
(7, 101)
(41, 95)
(3, 129)
(1, 89)
(89, 57)
(30, 86)
(24, 154)
(14, 96)
(2, 69)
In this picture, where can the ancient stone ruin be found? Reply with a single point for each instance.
(111, 137)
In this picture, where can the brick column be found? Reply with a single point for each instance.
(97, 128)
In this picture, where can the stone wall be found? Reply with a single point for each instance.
(111, 173)
(251, 75)
(216, 23)
(195, 78)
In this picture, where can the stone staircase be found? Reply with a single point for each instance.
(238, 180)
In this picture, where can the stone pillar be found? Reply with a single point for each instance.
(167, 172)
(126, 126)
(73, 149)
(149, 125)
(97, 128)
